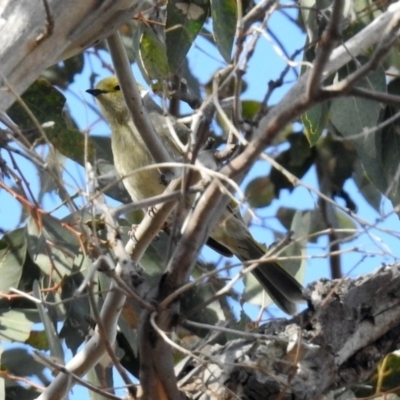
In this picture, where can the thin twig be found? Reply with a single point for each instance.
(327, 43)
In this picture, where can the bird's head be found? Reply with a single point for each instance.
(111, 101)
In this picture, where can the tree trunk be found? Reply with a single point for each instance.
(35, 34)
(349, 327)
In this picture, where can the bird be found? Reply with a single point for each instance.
(230, 235)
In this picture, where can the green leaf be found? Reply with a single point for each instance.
(206, 315)
(19, 362)
(366, 11)
(38, 340)
(297, 160)
(153, 55)
(337, 159)
(309, 13)
(338, 220)
(297, 248)
(393, 58)
(387, 374)
(47, 103)
(55, 248)
(345, 222)
(75, 327)
(314, 121)
(185, 18)
(16, 324)
(260, 192)
(371, 194)
(13, 249)
(253, 292)
(55, 346)
(250, 108)
(193, 82)
(137, 31)
(102, 144)
(47, 229)
(224, 16)
(128, 342)
(351, 115)
(379, 151)
(55, 162)
(17, 392)
(285, 216)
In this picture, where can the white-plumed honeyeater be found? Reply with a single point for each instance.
(130, 153)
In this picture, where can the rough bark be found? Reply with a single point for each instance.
(349, 326)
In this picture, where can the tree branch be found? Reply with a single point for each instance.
(327, 43)
(389, 37)
(28, 47)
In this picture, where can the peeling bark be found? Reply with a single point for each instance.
(349, 327)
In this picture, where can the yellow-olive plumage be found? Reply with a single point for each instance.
(130, 153)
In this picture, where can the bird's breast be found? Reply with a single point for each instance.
(131, 155)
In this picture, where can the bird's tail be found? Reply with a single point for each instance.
(281, 286)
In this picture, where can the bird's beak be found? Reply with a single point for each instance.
(95, 92)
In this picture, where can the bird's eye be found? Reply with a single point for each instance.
(117, 87)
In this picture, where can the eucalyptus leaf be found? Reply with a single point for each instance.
(18, 361)
(102, 144)
(224, 16)
(38, 340)
(13, 248)
(16, 324)
(56, 349)
(253, 292)
(379, 151)
(55, 248)
(309, 12)
(55, 162)
(250, 108)
(128, 342)
(47, 104)
(153, 55)
(210, 314)
(314, 121)
(260, 192)
(371, 194)
(185, 19)
(352, 115)
(297, 159)
(385, 377)
(75, 327)
(297, 247)
(17, 392)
